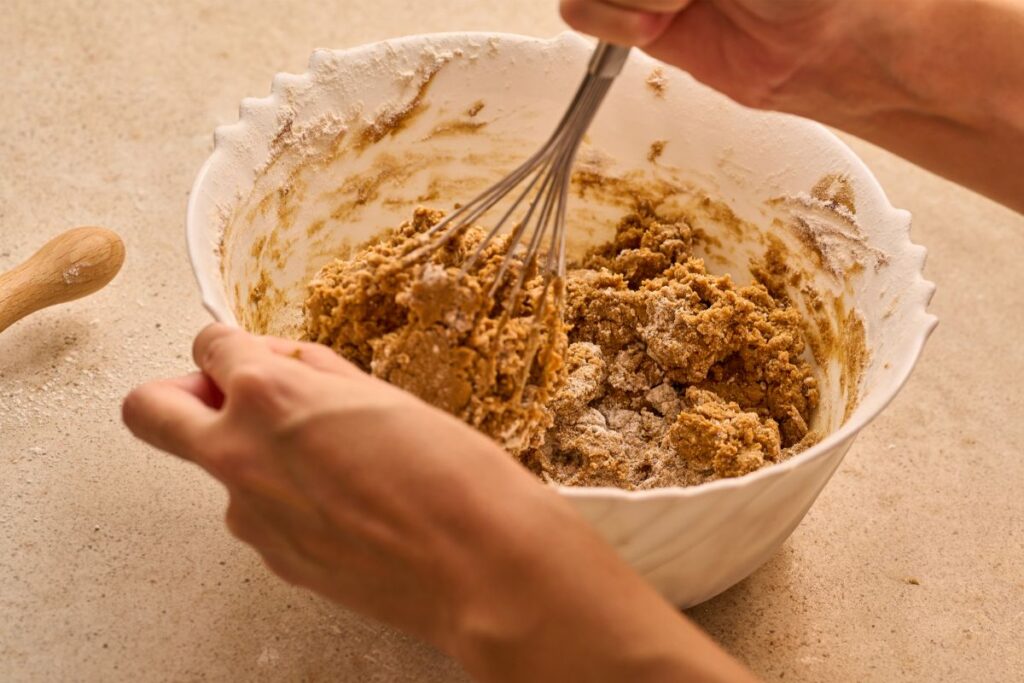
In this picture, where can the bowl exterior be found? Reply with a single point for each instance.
(693, 547)
(690, 543)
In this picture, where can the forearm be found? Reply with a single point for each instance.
(939, 82)
(549, 600)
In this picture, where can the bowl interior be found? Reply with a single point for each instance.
(351, 147)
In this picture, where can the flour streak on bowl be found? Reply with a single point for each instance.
(350, 147)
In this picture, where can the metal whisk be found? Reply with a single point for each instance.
(544, 181)
(548, 171)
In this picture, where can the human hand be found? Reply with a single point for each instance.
(748, 49)
(342, 483)
(364, 494)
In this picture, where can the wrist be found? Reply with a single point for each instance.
(915, 58)
(545, 598)
(856, 69)
(538, 591)
(514, 584)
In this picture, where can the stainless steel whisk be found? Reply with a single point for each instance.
(550, 168)
(546, 175)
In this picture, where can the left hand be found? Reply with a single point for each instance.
(365, 494)
(343, 483)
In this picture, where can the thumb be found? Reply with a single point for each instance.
(625, 22)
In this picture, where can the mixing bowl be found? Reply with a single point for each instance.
(352, 146)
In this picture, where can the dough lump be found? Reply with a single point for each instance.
(659, 373)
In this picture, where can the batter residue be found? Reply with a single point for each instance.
(661, 375)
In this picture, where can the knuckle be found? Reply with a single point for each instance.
(250, 379)
(211, 353)
(264, 388)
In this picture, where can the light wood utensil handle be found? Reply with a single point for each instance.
(70, 266)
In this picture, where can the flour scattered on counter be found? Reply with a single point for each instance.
(268, 656)
(80, 372)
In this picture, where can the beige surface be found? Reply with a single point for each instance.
(113, 561)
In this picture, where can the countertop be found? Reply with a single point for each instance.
(114, 562)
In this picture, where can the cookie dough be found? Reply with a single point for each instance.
(438, 334)
(658, 374)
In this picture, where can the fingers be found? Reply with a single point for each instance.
(220, 350)
(171, 415)
(314, 355)
(200, 386)
(626, 22)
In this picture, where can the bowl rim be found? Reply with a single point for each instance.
(922, 289)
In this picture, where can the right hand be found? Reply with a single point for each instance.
(939, 82)
(751, 50)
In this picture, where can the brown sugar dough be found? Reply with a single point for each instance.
(662, 375)
(700, 379)
(437, 334)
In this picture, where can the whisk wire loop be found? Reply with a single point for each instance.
(542, 202)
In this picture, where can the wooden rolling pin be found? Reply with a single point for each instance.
(70, 266)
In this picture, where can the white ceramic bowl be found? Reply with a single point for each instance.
(351, 146)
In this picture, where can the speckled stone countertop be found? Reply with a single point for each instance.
(114, 563)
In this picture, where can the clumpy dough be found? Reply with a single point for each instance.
(436, 333)
(659, 374)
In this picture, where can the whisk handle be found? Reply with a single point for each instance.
(607, 60)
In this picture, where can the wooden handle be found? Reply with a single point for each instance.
(70, 266)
